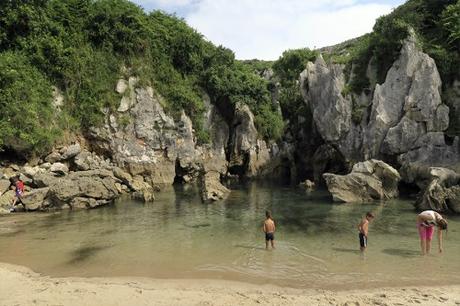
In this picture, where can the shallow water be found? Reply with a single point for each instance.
(177, 236)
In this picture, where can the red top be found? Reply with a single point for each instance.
(20, 185)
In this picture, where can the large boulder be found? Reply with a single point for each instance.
(6, 199)
(70, 151)
(33, 200)
(59, 169)
(4, 186)
(44, 180)
(53, 157)
(441, 193)
(369, 180)
(211, 187)
(453, 198)
(99, 185)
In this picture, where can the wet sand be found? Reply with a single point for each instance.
(21, 286)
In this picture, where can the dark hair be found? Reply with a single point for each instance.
(442, 224)
(370, 215)
(268, 214)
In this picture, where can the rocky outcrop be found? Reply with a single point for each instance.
(97, 186)
(442, 191)
(244, 143)
(368, 181)
(402, 120)
(34, 199)
(144, 140)
(211, 187)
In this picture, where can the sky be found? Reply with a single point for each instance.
(263, 29)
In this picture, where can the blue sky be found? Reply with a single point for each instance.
(263, 29)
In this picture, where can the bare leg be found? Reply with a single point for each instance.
(428, 246)
(266, 244)
(273, 244)
(423, 246)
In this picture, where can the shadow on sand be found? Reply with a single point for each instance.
(402, 252)
(249, 247)
(354, 251)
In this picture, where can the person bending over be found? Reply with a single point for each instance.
(426, 222)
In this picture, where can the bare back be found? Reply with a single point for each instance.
(363, 226)
(269, 226)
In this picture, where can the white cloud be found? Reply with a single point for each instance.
(165, 3)
(265, 28)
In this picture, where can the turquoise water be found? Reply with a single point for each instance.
(177, 236)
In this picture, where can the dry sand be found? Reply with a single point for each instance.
(21, 286)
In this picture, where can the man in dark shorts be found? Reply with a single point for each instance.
(269, 229)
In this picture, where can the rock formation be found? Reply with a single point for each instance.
(403, 120)
(442, 193)
(368, 181)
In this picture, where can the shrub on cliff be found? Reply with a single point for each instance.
(26, 113)
(84, 46)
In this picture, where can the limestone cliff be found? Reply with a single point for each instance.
(404, 119)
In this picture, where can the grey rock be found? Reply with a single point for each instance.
(59, 168)
(71, 151)
(369, 180)
(321, 86)
(121, 87)
(122, 175)
(144, 195)
(453, 198)
(407, 117)
(33, 200)
(58, 98)
(212, 189)
(307, 184)
(411, 92)
(44, 180)
(440, 191)
(4, 186)
(6, 199)
(99, 185)
(45, 166)
(53, 157)
(30, 171)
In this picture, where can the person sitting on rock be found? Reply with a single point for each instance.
(426, 221)
(19, 191)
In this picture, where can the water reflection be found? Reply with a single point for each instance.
(179, 236)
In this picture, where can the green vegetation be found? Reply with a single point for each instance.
(436, 24)
(287, 69)
(25, 105)
(84, 46)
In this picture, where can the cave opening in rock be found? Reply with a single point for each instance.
(180, 172)
(8, 155)
(408, 190)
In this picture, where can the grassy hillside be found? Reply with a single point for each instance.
(83, 46)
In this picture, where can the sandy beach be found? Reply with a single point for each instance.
(21, 286)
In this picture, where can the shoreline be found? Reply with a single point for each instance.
(22, 286)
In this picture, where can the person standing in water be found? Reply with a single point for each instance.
(269, 229)
(426, 222)
(363, 228)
